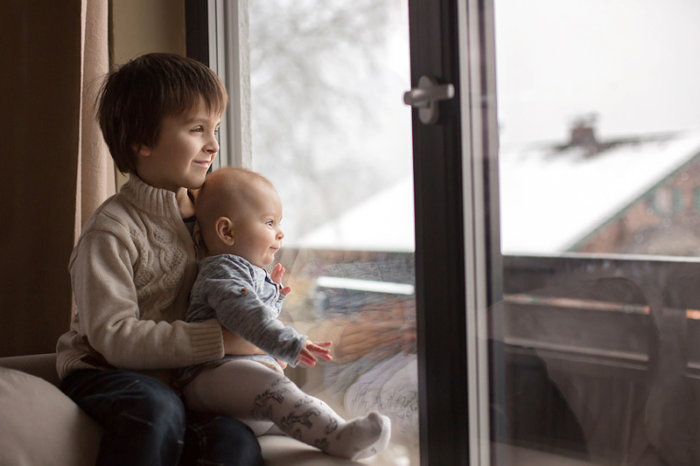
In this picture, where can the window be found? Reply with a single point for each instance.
(321, 97)
(596, 114)
(579, 239)
(599, 145)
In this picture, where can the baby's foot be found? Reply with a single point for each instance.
(361, 437)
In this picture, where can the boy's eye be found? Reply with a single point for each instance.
(198, 129)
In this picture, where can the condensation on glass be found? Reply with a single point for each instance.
(595, 344)
(330, 130)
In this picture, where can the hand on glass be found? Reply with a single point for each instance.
(312, 351)
(276, 276)
(375, 335)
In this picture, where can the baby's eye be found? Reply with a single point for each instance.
(269, 223)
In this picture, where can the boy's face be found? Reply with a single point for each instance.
(186, 147)
(257, 233)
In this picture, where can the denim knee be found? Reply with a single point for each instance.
(157, 408)
(212, 439)
(143, 419)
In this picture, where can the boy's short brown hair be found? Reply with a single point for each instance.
(136, 97)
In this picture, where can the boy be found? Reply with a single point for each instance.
(133, 267)
(239, 214)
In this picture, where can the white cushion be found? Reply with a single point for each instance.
(41, 425)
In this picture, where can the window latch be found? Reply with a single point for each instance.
(426, 98)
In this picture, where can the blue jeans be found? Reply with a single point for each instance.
(145, 423)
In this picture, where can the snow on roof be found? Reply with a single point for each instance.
(381, 223)
(549, 198)
(552, 199)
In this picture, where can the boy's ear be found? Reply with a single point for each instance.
(142, 150)
(224, 230)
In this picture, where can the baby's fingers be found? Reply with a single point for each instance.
(321, 350)
(277, 273)
(307, 359)
(325, 344)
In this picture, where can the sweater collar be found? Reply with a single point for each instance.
(153, 200)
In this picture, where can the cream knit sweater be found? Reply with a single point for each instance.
(131, 272)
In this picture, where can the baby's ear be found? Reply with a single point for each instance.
(224, 230)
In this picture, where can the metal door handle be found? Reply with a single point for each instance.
(426, 98)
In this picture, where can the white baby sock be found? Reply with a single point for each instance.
(313, 422)
(361, 437)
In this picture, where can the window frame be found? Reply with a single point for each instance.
(211, 39)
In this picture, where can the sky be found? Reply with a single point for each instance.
(634, 63)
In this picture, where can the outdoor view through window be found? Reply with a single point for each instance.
(599, 126)
(599, 138)
(330, 130)
(594, 345)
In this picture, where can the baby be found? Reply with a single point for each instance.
(239, 214)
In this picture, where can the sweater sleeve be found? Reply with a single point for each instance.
(229, 290)
(105, 294)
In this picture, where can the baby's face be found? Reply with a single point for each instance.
(257, 232)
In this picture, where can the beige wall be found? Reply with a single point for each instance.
(143, 26)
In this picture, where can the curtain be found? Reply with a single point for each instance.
(95, 173)
(54, 166)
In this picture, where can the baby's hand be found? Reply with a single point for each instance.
(281, 363)
(311, 350)
(276, 276)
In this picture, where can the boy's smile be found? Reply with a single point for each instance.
(185, 149)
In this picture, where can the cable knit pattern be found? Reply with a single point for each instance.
(158, 283)
(131, 272)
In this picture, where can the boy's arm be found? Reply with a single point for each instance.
(105, 293)
(231, 294)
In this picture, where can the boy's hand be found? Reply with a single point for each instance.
(311, 350)
(276, 276)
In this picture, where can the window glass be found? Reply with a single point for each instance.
(598, 114)
(330, 130)
(594, 357)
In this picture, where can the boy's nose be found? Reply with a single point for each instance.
(213, 145)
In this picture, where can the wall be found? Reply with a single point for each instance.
(140, 27)
(40, 110)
